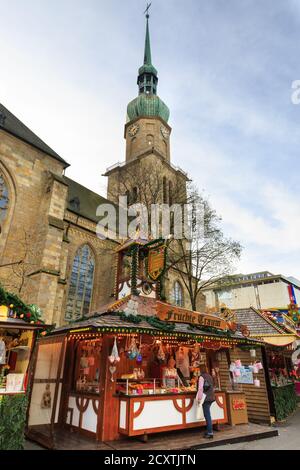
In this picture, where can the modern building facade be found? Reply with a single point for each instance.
(262, 290)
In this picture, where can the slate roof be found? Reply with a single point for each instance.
(257, 323)
(16, 323)
(83, 201)
(114, 321)
(11, 124)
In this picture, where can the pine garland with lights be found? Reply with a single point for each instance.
(134, 269)
(153, 321)
(209, 329)
(131, 318)
(18, 309)
(161, 325)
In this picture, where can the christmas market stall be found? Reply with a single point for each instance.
(280, 336)
(19, 325)
(132, 368)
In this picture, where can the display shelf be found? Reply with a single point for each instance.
(12, 393)
(150, 395)
(20, 348)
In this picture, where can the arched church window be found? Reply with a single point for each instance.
(178, 294)
(165, 196)
(81, 284)
(170, 193)
(165, 147)
(4, 201)
(134, 195)
(127, 194)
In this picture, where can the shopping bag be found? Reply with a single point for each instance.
(199, 409)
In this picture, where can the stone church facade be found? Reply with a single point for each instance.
(49, 250)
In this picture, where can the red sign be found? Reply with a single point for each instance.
(238, 404)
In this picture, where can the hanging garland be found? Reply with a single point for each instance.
(131, 318)
(31, 314)
(209, 329)
(161, 325)
(134, 269)
(153, 321)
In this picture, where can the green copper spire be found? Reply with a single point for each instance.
(147, 54)
(147, 79)
(147, 103)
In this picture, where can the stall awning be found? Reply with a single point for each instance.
(17, 324)
(277, 340)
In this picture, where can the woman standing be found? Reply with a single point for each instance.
(206, 386)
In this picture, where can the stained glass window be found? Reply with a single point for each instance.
(81, 284)
(3, 200)
(178, 294)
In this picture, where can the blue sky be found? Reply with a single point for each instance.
(68, 71)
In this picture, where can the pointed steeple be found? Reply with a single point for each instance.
(147, 79)
(147, 54)
(147, 103)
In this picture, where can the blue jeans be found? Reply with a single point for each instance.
(206, 411)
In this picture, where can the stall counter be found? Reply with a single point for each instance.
(147, 414)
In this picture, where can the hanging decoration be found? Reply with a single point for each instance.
(253, 352)
(227, 314)
(161, 354)
(133, 351)
(139, 357)
(2, 352)
(114, 359)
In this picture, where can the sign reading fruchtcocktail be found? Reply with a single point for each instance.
(181, 315)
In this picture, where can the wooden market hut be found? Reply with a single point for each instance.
(280, 338)
(96, 395)
(17, 340)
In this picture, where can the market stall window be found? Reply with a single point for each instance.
(81, 284)
(178, 294)
(280, 368)
(15, 347)
(87, 366)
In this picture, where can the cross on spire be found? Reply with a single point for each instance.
(147, 10)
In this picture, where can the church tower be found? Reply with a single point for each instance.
(147, 134)
(147, 126)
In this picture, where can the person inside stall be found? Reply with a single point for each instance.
(206, 387)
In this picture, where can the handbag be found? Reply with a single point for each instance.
(199, 409)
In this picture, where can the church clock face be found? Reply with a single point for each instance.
(133, 130)
(165, 132)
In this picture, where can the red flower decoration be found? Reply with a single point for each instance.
(28, 315)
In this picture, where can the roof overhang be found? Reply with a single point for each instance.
(280, 340)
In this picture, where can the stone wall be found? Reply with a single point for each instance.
(33, 231)
(152, 133)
